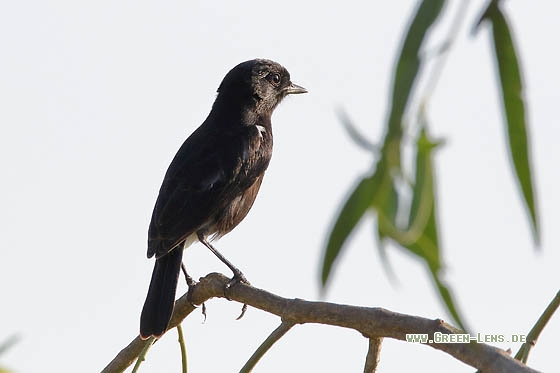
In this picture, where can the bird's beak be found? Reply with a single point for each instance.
(293, 89)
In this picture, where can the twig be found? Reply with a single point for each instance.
(142, 354)
(266, 345)
(373, 355)
(368, 321)
(183, 348)
(523, 353)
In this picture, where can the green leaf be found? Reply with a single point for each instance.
(420, 236)
(447, 297)
(389, 211)
(422, 222)
(514, 107)
(354, 208)
(388, 207)
(424, 208)
(373, 191)
(354, 133)
(408, 63)
(407, 68)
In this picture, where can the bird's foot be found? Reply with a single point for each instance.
(188, 279)
(189, 298)
(238, 277)
(191, 283)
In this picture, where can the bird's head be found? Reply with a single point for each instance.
(260, 84)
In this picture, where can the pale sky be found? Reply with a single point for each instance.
(96, 98)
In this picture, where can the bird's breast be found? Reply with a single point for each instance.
(242, 192)
(254, 156)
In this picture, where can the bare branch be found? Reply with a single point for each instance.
(371, 322)
(373, 355)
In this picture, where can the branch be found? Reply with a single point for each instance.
(373, 355)
(181, 341)
(370, 322)
(523, 353)
(266, 345)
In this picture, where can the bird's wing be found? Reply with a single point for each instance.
(194, 185)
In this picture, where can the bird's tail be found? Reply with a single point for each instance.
(161, 294)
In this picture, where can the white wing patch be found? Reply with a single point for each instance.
(192, 238)
(261, 130)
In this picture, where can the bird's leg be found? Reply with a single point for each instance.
(191, 283)
(238, 276)
(189, 280)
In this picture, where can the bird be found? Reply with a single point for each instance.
(213, 180)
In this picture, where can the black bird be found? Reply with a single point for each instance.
(213, 180)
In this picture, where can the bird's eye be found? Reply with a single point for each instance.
(274, 78)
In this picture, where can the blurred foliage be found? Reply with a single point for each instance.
(514, 107)
(5, 346)
(386, 193)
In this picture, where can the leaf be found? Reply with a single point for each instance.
(408, 63)
(447, 297)
(354, 208)
(372, 191)
(354, 133)
(388, 207)
(389, 210)
(423, 217)
(407, 68)
(420, 236)
(514, 107)
(422, 222)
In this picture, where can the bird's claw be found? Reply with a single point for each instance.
(191, 283)
(237, 278)
(243, 309)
